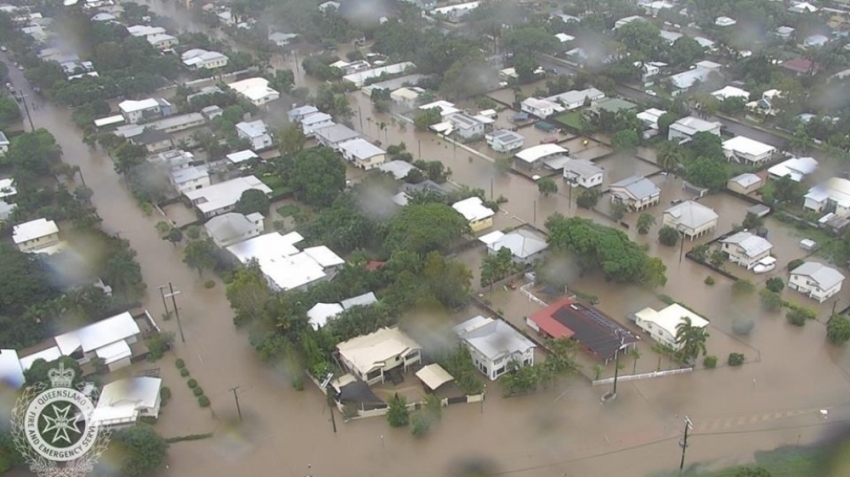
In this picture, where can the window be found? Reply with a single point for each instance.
(373, 374)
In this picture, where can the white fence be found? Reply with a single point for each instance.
(531, 297)
(636, 377)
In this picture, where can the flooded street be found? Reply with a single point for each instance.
(773, 400)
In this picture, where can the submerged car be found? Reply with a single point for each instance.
(765, 265)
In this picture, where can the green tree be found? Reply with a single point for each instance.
(174, 236)
(546, 186)
(625, 140)
(397, 413)
(137, 451)
(706, 144)
(291, 140)
(774, 284)
(38, 371)
(690, 339)
(669, 157)
(426, 118)
(588, 198)
(127, 156)
(838, 329)
(447, 280)
(252, 201)
(497, 266)
(771, 301)
(704, 172)
(529, 40)
(743, 286)
(787, 190)
(123, 273)
(248, 293)
(423, 228)
(644, 223)
(318, 176)
(685, 51)
(24, 280)
(752, 472)
(634, 352)
(9, 112)
(798, 316)
(668, 236)
(200, 255)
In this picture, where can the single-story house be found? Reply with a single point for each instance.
(476, 214)
(536, 157)
(370, 357)
(661, 325)
(399, 169)
(541, 108)
(832, 195)
(239, 157)
(525, 245)
(466, 126)
(576, 98)
(683, 130)
(362, 153)
(495, 346)
(800, 67)
(636, 192)
(816, 280)
(295, 115)
(230, 228)
(109, 339)
(744, 150)
(797, 168)
(649, 118)
(690, 218)
(504, 140)
(681, 82)
(335, 134)
(731, 92)
(221, 198)
(745, 183)
(255, 90)
(584, 173)
(745, 248)
(123, 402)
(406, 96)
(198, 59)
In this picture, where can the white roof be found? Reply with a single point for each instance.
(255, 89)
(826, 277)
(521, 242)
(457, 7)
(227, 226)
(50, 354)
(273, 244)
(224, 194)
(34, 229)
(492, 338)
(491, 238)
(242, 156)
(369, 351)
(98, 335)
(361, 76)
(692, 125)
(751, 244)
(745, 145)
(563, 37)
(315, 118)
(434, 376)
(253, 128)
(7, 188)
(746, 179)
(197, 56)
(109, 120)
(724, 21)
(836, 189)
(731, 92)
(650, 116)
(399, 169)
(669, 317)
(130, 106)
(114, 352)
(365, 299)
(582, 168)
(11, 373)
(144, 30)
(473, 209)
(796, 168)
(322, 312)
(324, 256)
(704, 42)
(123, 399)
(361, 148)
(670, 36)
(189, 174)
(692, 214)
(537, 103)
(540, 151)
(160, 37)
(405, 93)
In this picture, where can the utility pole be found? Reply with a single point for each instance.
(164, 303)
(173, 295)
(617, 364)
(684, 442)
(491, 194)
(535, 213)
(360, 117)
(681, 245)
(331, 409)
(236, 397)
(27, 108)
(420, 148)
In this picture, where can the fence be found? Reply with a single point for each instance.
(531, 297)
(637, 377)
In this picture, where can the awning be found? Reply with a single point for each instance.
(114, 352)
(434, 376)
(358, 392)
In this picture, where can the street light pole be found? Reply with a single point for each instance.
(236, 397)
(27, 108)
(173, 295)
(684, 442)
(164, 303)
(617, 364)
(681, 245)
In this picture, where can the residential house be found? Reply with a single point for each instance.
(797, 168)
(815, 41)
(231, 228)
(211, 112)
(728, 92)
(335, 134)
(626, 20)
(109, 339)
(446, 108)
(526, 246)
(662, 325)
(104, 17)
(406, 96)
(542, 155)
(744, 150)
(593, 330)
(564, 38)
(399, 169)
(636, 192)
(504, 140)
(295, 115)
(6, 210)
(830, 196)
(221, 198)
(37, 236)
(466, 126)
(690, 218)
(190, 178)
(724, 21)
(255, 90)
(163, 41)
(495, 346)
(282, 39)
(256, 133)
(800, 67)
(359, 78)
(145, 31)
(352, 67)
(745, 248)
(177, 123)
(784, 32)
(312, 122)
(576, 98)
(172, 160)
(649, 118)
(670, 36)
(454, 13)
(701, 72)
(240, 157)
(198, 59)
(583, 173)
(206, 90)
(329, 6)
(816, 280)
(476, 214)
(4, 144)
(8, 191)
(541, 108)
(154, 140)
(370, 357)
(122, 403)
(284, 266)
(745, 183)
(611, 105)
(144, 110)
(802, 7)
(322, 312)
(362, 153)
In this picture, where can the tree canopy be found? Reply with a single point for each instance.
(253, 201)
(423, 228)
(136, 450)
(318, 176)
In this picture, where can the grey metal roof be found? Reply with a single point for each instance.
(522, 243)
(365, 299)
(751, 244)
(336, 133)
(638, 186)
(463, 120)
(826, 277)
(506, 136)
(225, 227)
(399, 169)
(492, 338)
(582, 168)
(692, 214)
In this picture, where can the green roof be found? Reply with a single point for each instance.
(612, 105)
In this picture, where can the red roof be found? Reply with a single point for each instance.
(799, 65)
(547, 323)
(373, 265)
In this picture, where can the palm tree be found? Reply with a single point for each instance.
(634, 353)
(691, 340)
(669, 158)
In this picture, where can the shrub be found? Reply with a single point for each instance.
(838, 329)
(209, 284)
(735, 359)
(709, 280)
(297, 382)
(165, 393)
(421, 425)
(398, 415)
(774, 284)
(180, 363)
(710, 362)
(198, 391)
(743, 287)
(350, 411)
(798, 316)
(184, 372)
(159, 344)
(795, 263)
(668, 236)
(203, 401)
(743, 327)
(192, 383)
(770, 301)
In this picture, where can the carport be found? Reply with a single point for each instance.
(433, 376)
